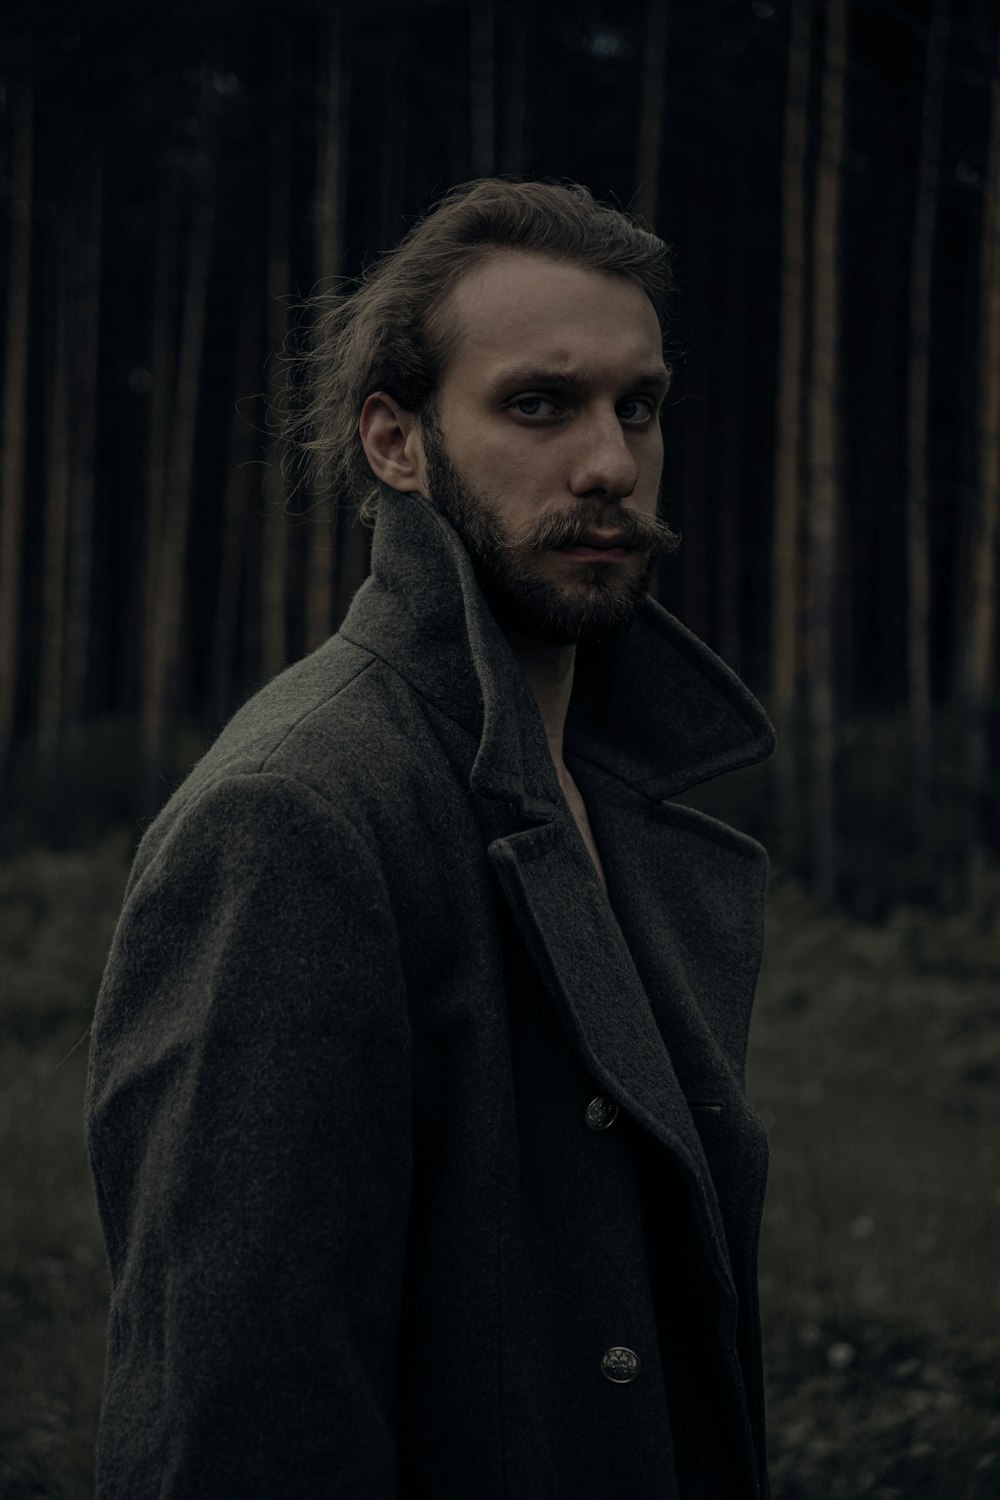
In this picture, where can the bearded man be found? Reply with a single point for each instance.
(416, 1107)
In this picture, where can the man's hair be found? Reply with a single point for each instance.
(387, 334)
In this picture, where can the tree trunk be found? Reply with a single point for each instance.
(917, 419)
(57, 493)
(824, 483)
(329, 254)
(785, 557)
(396, 127)
(274, 557)
(654, 78)
(694, 471)
(513, 33)
(242, 436)
(482, 27)
(12, 461)
(168, 604)
(86, 364)
(683, 582)
(162, 369)
(980, 645)
(730, 458)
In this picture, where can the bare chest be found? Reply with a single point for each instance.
(578, 808)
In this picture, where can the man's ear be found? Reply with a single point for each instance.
(390, 436)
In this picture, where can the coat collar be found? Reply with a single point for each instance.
(659, 712)
(656, 709)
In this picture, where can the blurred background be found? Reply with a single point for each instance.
(174, 182)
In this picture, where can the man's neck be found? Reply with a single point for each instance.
(549, 673)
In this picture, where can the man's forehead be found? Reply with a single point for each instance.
(529, 311)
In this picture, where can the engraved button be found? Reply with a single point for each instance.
(620, 1365)
(600, 1113)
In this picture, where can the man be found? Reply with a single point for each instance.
(416, 1107)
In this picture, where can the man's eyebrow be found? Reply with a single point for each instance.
(654, 378)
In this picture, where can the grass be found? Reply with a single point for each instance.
(875, 1063)
(56, 916)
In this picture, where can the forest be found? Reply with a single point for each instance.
(176, 184)
(179, 180)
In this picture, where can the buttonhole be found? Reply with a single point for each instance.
(714, 1105)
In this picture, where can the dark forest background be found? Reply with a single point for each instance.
(174, 183)
(178, 179)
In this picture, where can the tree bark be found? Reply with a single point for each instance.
(395, 129)
(12, 461)
(785, 555)
(917, 418)
(329, 254)
(730, 464)
(242, 436)
(654, 79)
(980, 645)
(514, 127)
(824, 482)
(57, 500)
(274, 556)
(482, 28)
(168, 604)
(86, 364)
(162, 368)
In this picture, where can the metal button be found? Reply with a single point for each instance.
(600, 1113)
(620, 1364)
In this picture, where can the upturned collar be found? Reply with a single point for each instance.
(655, 708)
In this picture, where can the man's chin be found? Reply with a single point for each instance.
(556, 617)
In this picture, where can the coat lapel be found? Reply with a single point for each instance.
(652, 713)
(580, 952)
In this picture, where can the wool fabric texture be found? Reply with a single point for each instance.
(364, 985)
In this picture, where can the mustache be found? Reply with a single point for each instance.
(565, 528)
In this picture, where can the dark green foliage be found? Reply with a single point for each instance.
(875, 1064)
(97, 779)
(883, 857)
(56, 917)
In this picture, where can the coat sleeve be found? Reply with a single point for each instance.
(249, 1127)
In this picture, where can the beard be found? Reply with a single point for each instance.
(598, 604)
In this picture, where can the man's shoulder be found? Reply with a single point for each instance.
(329, 714)
(340, 725)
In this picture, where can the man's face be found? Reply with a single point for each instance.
(544, 448)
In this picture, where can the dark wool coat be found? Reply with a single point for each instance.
(374, 1225)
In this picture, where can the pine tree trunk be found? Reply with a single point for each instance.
(785, 554)
(824, 497)
(395, 130)
(980, 647)
(57, 499)
(163, 373)
(694, 469)
(513, 35)
(274, 557)
(86, 329)
(12, 460)
(482, 25)
(731, 465)
(242, 436)
(168, 604)
(329, 253)
(917, 419)
(654, 79)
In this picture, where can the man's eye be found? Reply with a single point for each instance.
(636, 409)
(532, 406)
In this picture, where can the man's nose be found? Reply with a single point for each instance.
(603, 461)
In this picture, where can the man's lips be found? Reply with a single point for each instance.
(596, 554)
(596, 546)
